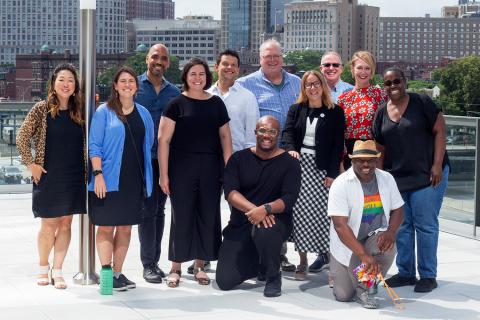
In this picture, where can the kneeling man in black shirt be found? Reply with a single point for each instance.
(261, 184)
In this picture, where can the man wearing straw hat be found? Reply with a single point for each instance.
(366, 210)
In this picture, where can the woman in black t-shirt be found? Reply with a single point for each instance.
(411, 133)
(194, 144)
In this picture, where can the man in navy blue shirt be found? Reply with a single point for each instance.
(154, 93)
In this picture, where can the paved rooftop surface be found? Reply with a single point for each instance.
(457, 297)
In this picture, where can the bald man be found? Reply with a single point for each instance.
(261, 184)
(154, 93)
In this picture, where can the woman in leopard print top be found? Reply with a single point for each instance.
(56, 128)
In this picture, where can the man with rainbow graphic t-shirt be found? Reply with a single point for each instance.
(366, 210)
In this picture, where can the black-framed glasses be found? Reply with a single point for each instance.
(389, 83)
(328, 65)
(315, 84)
(369, 161)
(264, 131)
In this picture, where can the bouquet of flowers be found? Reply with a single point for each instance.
(369, 279)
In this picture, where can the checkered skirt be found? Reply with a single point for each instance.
(311, 225)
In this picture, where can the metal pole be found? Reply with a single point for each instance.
(86, 274)
(476, 197)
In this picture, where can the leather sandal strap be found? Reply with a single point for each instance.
(179, 272)
(57, 273)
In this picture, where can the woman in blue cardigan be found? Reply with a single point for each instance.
(121, 137)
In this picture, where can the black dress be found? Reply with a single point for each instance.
(61, 191)
(124, 207)
(195, 169)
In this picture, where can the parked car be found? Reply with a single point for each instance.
(11, 174)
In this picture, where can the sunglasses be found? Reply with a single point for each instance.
(389, 83)
(264, 131)
(328, 65)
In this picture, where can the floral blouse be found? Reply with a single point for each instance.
(360, 106)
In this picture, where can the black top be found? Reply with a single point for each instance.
(329, 134)
(262, 181)
(63, 153)
(133, 149)
(196, 124)
(409, 143)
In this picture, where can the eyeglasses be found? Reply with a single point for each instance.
(315, 84)
(389, 83)
(272, 57)
(265, 131)
(328, 65)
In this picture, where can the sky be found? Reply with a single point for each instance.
(388, 8)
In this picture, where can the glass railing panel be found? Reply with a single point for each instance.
(459, 200)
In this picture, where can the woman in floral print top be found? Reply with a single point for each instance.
(361, 103)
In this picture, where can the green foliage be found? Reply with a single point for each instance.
(459, 86)
(304, 60)
(174, 73)
(137, 63)
(347, 75)
(416, 85)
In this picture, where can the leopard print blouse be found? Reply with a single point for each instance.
(34, 129)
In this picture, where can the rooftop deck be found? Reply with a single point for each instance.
(457, 297)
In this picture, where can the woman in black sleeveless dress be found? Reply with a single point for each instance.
(55, 125)
(121, 137)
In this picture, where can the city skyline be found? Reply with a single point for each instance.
(388, 8)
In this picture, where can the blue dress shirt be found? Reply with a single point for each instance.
(106, 140)
(271, 100)
(155, 102)
(340, 88)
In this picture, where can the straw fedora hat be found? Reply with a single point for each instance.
(364, 149)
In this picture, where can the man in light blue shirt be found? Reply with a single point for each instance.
(275, 89)
(331, 66)
(241, 104)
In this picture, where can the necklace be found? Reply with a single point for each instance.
(127, 110)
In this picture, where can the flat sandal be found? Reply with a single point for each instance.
(173, 282)
(43, 280)
(57, 279)
(201, 281)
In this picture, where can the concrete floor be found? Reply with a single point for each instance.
(457, 297)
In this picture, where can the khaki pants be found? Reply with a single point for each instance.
(346, 285)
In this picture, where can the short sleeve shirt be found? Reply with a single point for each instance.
(360, 106)
(196, 124)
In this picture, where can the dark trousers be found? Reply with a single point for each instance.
(247, 250)
(150, 231)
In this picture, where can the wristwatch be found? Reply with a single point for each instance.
(97, 172)
(268, 208)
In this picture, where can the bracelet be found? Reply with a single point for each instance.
(97, 172)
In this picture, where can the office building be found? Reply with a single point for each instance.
(247, 23)
(150, 9)
(26, 25)
(192, 36)
(340, 25)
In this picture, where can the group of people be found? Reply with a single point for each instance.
(315, 161)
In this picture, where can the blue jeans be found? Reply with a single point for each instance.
(420, 213)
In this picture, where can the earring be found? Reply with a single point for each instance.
(73, 94)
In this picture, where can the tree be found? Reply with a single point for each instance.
(304, 60)
(459, 86)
